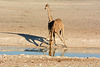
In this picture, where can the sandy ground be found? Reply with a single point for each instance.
(46, 61)
(23, 23)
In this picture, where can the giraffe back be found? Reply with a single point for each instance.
(58, 25)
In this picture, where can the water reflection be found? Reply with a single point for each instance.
(89, 52)
(37, 50)
(52, 52)
(76, 52)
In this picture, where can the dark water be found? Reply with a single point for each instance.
(58, 52)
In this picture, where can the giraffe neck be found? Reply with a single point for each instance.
(49, 15)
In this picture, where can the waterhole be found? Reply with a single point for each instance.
(72, 52)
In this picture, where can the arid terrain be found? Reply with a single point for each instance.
(24, 23)
(46, 61)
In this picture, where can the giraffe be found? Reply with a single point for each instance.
(55, 27)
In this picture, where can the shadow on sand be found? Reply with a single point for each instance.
(37, 50)
(29, 38)
(33, 39)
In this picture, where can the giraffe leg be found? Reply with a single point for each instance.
(61, 39)
(54, 38)
(50, 52)
(63, 36)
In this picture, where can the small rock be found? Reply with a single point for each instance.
(69, 66)
(59, 60)
(87, 57)
(40, 65)
(25, 65)
(4, 54)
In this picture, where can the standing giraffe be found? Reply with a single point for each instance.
(54, 26)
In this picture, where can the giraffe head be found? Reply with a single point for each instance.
(46, 6)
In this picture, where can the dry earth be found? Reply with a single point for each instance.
(46, 61)
(25, 22)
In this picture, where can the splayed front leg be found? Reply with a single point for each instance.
(62, 39)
